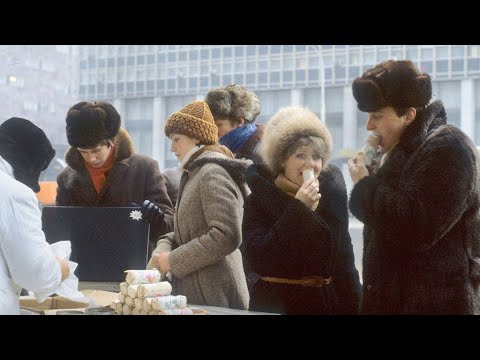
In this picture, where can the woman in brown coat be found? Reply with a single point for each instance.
(202, 253)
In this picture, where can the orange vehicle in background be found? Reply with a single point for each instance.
(48, 182)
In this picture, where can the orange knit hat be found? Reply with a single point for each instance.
(196, 121)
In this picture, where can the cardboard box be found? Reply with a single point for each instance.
(52, 303)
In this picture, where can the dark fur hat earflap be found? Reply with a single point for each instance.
(27, 149)
(233, 102)
(392, 83)
(89, 123)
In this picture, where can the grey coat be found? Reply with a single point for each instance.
(205, 259)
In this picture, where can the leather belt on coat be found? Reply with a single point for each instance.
(310, 281)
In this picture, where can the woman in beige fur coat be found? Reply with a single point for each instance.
(202, 253)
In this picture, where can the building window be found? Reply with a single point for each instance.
(193, 54)
(171, 85)
(275, 77)
(238, 79)
(426, 66)
(215, 53)
(161, 85)
(251, 80)
(204, 81)
(275, 49)
(457, 65)
(227, 52)
(251, 50)
(204, 54)
(474, 65)
(313, 75)
(442, 66)
(300, 75)
(238, 51)
(426, 54)
(120, 88)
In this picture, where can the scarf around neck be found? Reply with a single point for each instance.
(238, 137)
(98, 174)
(290, 188)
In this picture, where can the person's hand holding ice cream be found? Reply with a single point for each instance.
(308, 192)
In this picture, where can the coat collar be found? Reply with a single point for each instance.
(236, 168)
(416, 134)
(430, 119)
(124, 150)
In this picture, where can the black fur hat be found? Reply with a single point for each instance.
(392, 83)
(233, 102)
(27, 149)
(89, 123)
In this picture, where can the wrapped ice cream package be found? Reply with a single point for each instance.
(370, 149)
(135, 277)
(308, 175)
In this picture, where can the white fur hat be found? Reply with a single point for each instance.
(286, 127)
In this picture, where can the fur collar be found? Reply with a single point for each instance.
(236, 168)
(430, 119)
(416, 134)
(123, 144)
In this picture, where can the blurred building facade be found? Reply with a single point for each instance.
(39, 83)
(148, 82)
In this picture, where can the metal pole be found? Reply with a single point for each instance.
(322, 84)
(319, 51)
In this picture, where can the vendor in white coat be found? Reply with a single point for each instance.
(26, 260)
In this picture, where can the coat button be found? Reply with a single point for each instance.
(369, 287)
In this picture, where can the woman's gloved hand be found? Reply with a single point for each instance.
(152, 212)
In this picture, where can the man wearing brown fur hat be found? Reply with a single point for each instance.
(421, 206)
(25, 257)
(235, 110)
(105, 171)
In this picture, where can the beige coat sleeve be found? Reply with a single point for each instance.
(164, 244)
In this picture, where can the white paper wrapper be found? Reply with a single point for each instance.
(308, 175)
(169, 302)
(182, 311)
(142, 276)
(119, 309)
(123, 288)
(114, 303)
(150, 290)
(132, 290)
(69, 287)
(147, 304)
(369, 153)
(136, 312)
(370, 148)
(121, 298)
(129, 301)
(126, 310)
(138, 303)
